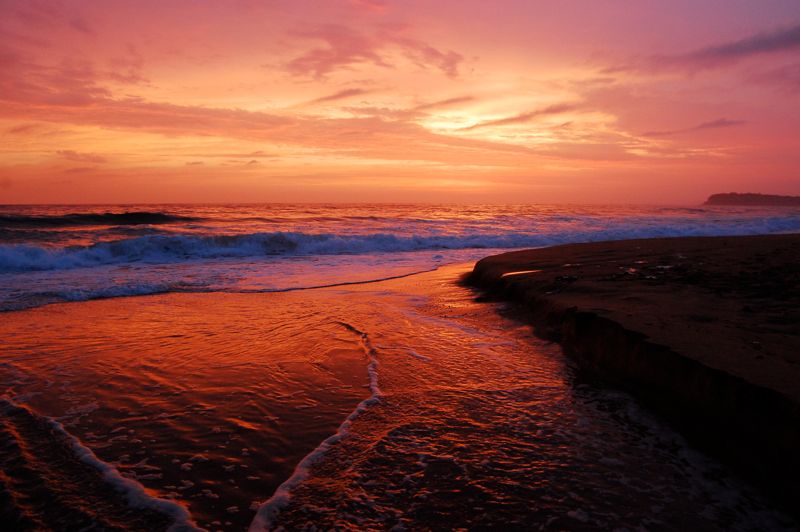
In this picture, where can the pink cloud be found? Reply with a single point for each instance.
(425, 55)
(339, 95)
(371, 5)
(407, 114)
(785, 40)
(345, 48)
(713, 124)
(364, 137)
(443, 103)
(73, 81)
(24, 129)
(81, 25)
(523, 118)
(71, 155)
(786, 78)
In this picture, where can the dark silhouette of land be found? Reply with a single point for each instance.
(750, 198)
(704, 330)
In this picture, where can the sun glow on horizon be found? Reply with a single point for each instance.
(101, 101)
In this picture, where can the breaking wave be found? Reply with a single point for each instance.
(107, 218)
(160, 249)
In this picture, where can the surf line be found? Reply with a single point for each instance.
(133, 492)
(332, 285)
(268, 511)
(179, 288)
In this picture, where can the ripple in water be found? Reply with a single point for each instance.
(443, 412)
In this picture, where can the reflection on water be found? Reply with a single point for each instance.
(213, 399)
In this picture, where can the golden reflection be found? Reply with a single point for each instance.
(521, 272)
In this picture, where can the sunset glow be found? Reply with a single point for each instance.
(372, 100)
(399, 265)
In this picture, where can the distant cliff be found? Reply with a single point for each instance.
(735, 198)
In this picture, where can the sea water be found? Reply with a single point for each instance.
(241, 397)
(75, 253)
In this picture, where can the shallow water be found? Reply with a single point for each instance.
(444, 413)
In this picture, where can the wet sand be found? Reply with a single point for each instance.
(706, 330)
(85, 486)
(403, 404)
(206, 400)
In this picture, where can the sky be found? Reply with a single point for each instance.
(595, 101)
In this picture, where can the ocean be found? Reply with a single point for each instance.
(75, 253)
(320, 366)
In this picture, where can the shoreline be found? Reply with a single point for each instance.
(217, 412)
(703, 330)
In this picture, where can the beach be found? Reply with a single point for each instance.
(257, 367)
(705, 330)
(398, 403)
(372, 265)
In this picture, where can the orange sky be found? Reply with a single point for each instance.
(372, 100)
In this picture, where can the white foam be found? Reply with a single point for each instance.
(170, 248)
(268, 511)
(38, 274)
(134, 492)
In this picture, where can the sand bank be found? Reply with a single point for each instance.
(704, 330)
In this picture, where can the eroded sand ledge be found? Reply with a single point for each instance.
(704, 330)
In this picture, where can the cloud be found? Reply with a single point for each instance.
(785, 78)
(72, 155)
(73, 81)
(339, 95)
(79, 170)
(714, 124)
(247, 155)
(443, 103)
(776, 41)
(407, 114)
(523, 117)
(23, 128)
(38, 14)
(367, 137)
(370, 5)
(725, 54)
(51, 16)
(345, 48)
(127, 68)
(80, 24)
(426, 55)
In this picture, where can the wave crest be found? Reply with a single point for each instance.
(158, 249)
(107, 218)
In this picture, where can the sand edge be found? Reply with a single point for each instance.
(752, 426)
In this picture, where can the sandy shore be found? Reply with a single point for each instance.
(705, 330)
(398, 404)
